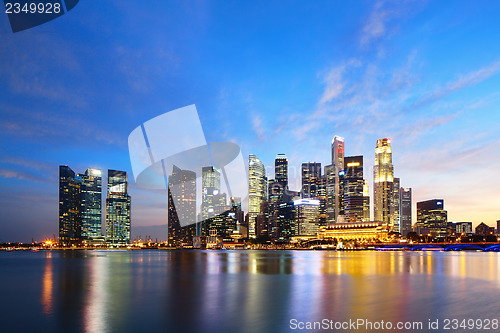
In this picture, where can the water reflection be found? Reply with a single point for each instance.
(249, 291)
(47, 285)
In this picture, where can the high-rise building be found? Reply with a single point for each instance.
(330, 193)
(286, 221)
(353, 189)
(307, 216)
(405, 211)
(213, 201)
(396, 206)
(91, 208)
(257, 189)
(338, 149)
(118, 208)
(383, 182)
(281, 171)
(311, 178)
(70, 223)
(432, 218)
(182, 202)
(366, 201)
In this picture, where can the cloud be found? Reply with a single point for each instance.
(258, 127)
(37, 165)
(34, 124)
(334, 82)
(20, 175)
(376, 26)
(471, 79)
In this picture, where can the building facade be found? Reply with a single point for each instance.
(354, 200)
(281, 171)
(91, 207)
(70, 222)
(311, 178)
(118, 208)
(383, 183)
(432, 217)
(307, 217)
(257, 191)
(181, 203)
(396, 205)
(338, 151)
(405, 225)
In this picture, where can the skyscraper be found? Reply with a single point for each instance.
(405, 212)
(396, 207)
(307, 215)
(182, 201)
(311, 179)
(91, 208)
(338, 150)
(353, 189)
(383, 186)
(213, 201)
(366, 201)
(257, 189)
(281, 171)
(70, 223)
(432, 218)
(118, 208)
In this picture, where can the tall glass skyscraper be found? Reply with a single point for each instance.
(311, 179)
(366, 201)
(213, 201)
(118, 208)
(91, 208)
(396, 205)
(70, 222)
(307, 215)
(334, 173)
(353, 189)
(383, 186)
(281, 171)
(257, 191)
(182, 201)
(405, 212)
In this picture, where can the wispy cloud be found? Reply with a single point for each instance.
(473, 78)
(20, 175)
(258, 128)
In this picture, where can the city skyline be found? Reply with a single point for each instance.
(423, 74)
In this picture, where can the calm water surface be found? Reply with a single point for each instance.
(239, 291)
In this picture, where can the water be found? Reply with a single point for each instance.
(240, 291)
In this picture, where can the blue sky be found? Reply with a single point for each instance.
(272, 76)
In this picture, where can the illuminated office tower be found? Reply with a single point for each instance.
(405, 211)
(330, 193)
(213, 201)
(118, 210)
(383, 186)
(334, 174)
(281, 171)
(396, 205)
(307, 216)
(91, 208)
(353, 189)
(311, 178)
(257, 189)
(366, 201)
(70, 227)
(182, 202)
(432, 218)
